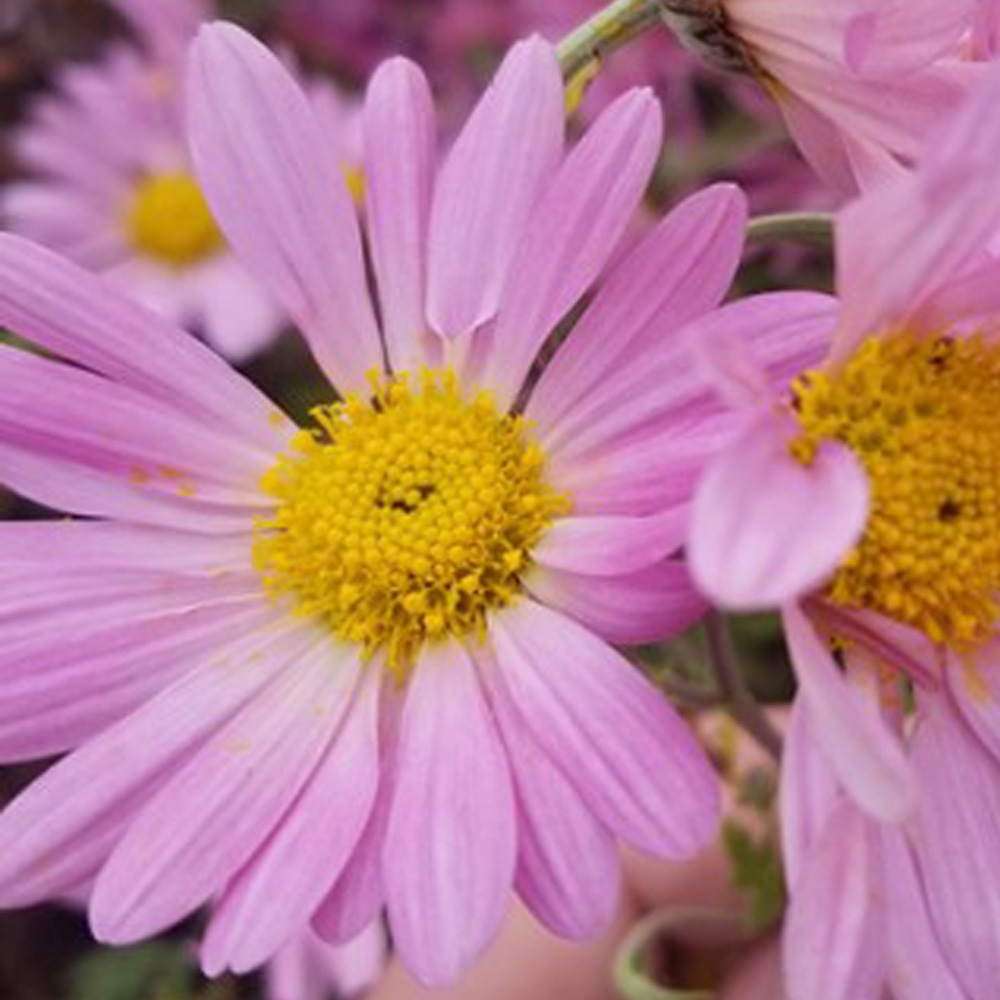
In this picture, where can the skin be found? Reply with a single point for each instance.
(528, 962)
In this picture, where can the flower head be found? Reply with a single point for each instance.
(876, 531)
(309, 673)
(110, 184)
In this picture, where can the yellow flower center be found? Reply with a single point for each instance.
(406, 517)
(169, 220)
(923, 416)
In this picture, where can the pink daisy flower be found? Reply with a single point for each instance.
(312, 673)
(863, 501)
(110, 185)
(859, 82)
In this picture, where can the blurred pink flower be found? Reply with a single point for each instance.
(109, 184)
(863, 502)
(307, 968)
(307, 681)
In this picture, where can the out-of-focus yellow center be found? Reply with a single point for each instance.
(923, 416)
(168, 219)
(406, 517)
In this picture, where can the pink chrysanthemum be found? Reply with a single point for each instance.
(109, 184)
(865, 502)
(859, 82)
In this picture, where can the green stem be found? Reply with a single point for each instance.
(736, 696)
(807, 227)
(609, 29)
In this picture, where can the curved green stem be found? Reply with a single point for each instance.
(736, 696)
(609, 29)
(807, 227)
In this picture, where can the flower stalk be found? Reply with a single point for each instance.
(609, 29)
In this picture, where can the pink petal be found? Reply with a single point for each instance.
(567, 863)
(488, 186)
(81, 317)
(280, 887)
(60, 829)
(973, 679)
(450, 844)
(610, 546)
(866, 757)
(647, 606)
(918, 969)
(957, 842)
(64, 684)
(571, 233)
(903, 242)
(677, 272)
(400, 140)
(629, 755)
(809, 793)
(210, 817)
(279, 197)
(56, 545)
(834, 940)
(79, 489)
(71, 414)
(765, 528)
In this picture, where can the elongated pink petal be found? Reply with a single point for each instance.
(571, 233)
(358, 896)
(957, 840)
(60, 829)
(488, 186)
(400, 140)
(629, 610)
(279, 197)
(68, 413)
(629, 755)
(766, 528)
(79, 489)
(450, 844)
(974, 681)
(677, 272)
(903, 242)
(62, 686)
(866, 757)
(610, 546)
(62, 544)
(918, 968)
(809, 793)
(556, 830)
(284, 882)
(81, 317)
(834, 941)
(215, 811)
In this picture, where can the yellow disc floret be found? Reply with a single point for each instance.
(923, 416)
(167, 219)
(406, 517)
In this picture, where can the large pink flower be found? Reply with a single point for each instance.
(312, 673)
(865, 502)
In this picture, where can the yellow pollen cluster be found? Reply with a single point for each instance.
(923, 416)
(406, 517)
(168, 219)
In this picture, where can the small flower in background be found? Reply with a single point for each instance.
(109, 183)
(312, 673)
(859, 83)
(877, 532)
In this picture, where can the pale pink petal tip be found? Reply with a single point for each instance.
(767, 528)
